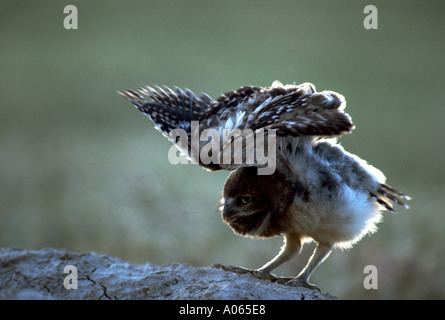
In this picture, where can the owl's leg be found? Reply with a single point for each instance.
(292, 245)
(321, 252)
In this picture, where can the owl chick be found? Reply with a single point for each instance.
(317, 190)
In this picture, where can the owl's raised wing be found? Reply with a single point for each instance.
(168, 109)
(251, 115)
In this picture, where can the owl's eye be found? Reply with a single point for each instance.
(246, 200)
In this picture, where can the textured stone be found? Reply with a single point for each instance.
(26, 274)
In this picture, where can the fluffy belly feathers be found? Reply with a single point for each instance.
(344, 220)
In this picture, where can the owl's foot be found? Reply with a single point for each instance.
(290, 281)
(240, 270)
(256, 273)
(297, 282)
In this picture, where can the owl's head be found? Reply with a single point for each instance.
(256, 205)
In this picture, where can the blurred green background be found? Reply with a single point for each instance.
(81, 169)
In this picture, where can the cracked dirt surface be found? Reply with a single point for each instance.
(26, 274)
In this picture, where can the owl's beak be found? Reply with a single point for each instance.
(226, 212)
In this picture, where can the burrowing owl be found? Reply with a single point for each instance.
(316, 190)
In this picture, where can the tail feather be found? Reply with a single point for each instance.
(385, 193)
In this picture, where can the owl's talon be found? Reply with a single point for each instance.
(239, 270)
(298, 282)
(284, 280)
(256, 273)
(263, 275)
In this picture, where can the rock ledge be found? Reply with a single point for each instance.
(26, 274)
